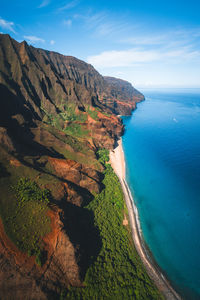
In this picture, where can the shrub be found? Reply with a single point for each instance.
(27, 190)
(103, 155)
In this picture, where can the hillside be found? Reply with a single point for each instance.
(57, 114)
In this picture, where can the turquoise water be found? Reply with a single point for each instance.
(162, 151)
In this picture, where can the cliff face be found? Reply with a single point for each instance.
(124, 96)
(42, 81)
(56, 112)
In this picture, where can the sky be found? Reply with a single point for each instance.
(149, 43)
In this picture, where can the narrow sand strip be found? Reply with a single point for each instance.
(118, 164)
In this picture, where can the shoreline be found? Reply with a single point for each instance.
(117, 161)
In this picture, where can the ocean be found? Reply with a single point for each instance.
(162, 152)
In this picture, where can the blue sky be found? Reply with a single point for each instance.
(149, 43)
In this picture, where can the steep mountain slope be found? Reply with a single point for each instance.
(43, 79)
(56, 113)
(121, 90)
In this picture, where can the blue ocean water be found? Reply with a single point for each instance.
(162, 151)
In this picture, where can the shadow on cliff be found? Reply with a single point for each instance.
(3, 171)
(15, 103)
(12, 108)
(78, 221)
(79, 225)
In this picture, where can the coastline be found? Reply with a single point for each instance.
(117, 161)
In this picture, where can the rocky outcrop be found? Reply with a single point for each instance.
(21, 278)
(79, 179)
(124, 96)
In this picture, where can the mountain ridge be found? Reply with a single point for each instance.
(55, 71)
(56, 113)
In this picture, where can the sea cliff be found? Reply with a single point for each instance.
(57, 116)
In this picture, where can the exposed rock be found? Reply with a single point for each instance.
(80, 181)
(124, 96)
(37, 80)
(21, 278)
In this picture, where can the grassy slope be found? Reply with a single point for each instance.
(118, 272)
(24, 224)
(23, 209)
(24, 205)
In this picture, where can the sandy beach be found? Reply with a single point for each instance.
(118, 164)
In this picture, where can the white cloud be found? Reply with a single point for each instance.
(44, 3)
(91, 21)
(166, 57)
(94, 20)
(102, 24)
(146, 40)
(168, 39)
(109, 28)
(112, 28)
(52, 42)
(130, 57)
(68, 5)
(122, 58)
(33, 39)
(172, 46)
(68, 23)
(7, 25)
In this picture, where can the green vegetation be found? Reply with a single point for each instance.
(27, 190)
(103, 156)
(93, 113)
(70, 114)
(117, 272)
(78, 146)
(76, 129)
(27, 221)
(57, 121)
(106, 114)
(81, 152)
